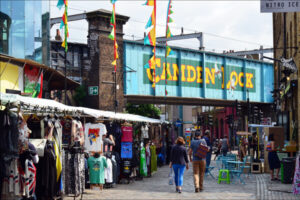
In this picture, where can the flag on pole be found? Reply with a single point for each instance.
(64, 22)
(150, 3)
(150, 39)
(168, 35)
(60, 4)
(112, 34)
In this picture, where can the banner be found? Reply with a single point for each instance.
(31, 77)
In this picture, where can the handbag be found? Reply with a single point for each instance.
(171, 177)
(39, 144)
(201, 151)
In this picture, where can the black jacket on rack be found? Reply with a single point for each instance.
(46, 173)
(9, 133)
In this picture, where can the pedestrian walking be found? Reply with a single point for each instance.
(255, 146)
(198, 162)
(218, 148)
(209, 145)
(179, 162)
(225, 145)
(274, 162)
(243, 147)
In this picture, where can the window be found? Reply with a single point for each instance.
(22, 31)
(76, 57)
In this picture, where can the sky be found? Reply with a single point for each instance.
(227, 25)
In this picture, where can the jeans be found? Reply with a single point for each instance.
(208, 159)
(224, 152)
(178, 171)
(198, 170)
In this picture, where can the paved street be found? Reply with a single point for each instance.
(157, 187)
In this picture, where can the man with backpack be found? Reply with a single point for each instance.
(197, 154)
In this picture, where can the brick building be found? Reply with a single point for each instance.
(90, 64)
(286, 36)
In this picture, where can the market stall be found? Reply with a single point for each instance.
(54, 132)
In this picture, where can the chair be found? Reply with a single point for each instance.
(222, 171)
(224, 161)
(208, 171)
(239, 172)
(226, 178)
(246, 166)
(219, 164)
(231, 155)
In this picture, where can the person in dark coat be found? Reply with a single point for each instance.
(274, 162)
(179, 162)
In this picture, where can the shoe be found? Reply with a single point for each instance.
(196, 190)
(179, 191)
(176, 189)
(201, 189)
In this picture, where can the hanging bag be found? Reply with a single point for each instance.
(171, 177)
(39, 144)
(201, 151)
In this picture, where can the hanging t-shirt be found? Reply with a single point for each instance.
(143, 164)
(96, 168)
(77, 133)
(67, 128)
(126, 134)
(153, 159)
(93, 137)
(126, 150)
(145, 132)
(109, 171)
(29, 179)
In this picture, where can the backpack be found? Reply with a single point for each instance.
(201, 151)
(269, 147)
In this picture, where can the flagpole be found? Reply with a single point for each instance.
(65, 77)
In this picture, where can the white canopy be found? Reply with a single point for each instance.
(51, 104)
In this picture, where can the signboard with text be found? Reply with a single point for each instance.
(270, 6)
(197, 74)
(93, 90)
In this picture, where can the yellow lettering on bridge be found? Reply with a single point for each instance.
(191, 78)
(192, 74)
(209, 75)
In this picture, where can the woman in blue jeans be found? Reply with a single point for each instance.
(179, 162)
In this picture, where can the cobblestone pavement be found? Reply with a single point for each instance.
(157, 187)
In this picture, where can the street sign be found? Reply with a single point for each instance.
(270, 6)
(93, 90)
(178, 123)
(289, 64)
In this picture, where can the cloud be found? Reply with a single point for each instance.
(240, 20)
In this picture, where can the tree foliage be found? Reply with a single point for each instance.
(147, 110)
(79, 95)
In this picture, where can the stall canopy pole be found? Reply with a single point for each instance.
(257, 131)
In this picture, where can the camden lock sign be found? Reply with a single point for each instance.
(191, 74)
(195, 74)
(280, 5)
